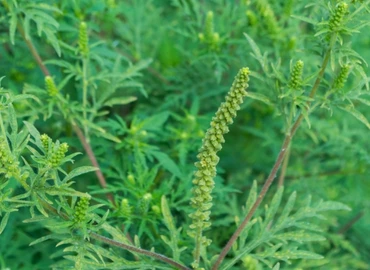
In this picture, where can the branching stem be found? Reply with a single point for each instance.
(78, 131)
(138, 250)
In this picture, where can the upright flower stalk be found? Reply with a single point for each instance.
(208, 159)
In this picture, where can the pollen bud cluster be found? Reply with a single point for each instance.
(58, 155)
(83, 39)
(341, 79)
(50, 86)
(207, 157)
(80, 211)
(8, 164)
(296, 75)
(210, 37)
(336, 18)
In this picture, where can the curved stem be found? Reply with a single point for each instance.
(279, 160)
(138, 250)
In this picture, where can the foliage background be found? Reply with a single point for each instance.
(168, 83)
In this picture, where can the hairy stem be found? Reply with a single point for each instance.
(279, 160)
(138, 250)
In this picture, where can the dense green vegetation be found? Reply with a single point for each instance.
(105, 106)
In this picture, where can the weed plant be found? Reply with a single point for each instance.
(106, 105)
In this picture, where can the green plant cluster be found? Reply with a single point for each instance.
(106, 105)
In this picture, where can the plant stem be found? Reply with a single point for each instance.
(284, 168)
(78, 131)
(350, 223)
(279, 160)
(84, 92)
(94, 162)
(120, 244)
(138, 250)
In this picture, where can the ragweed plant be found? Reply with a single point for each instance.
(133, 85)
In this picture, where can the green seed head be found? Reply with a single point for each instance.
(337, 16)
(83, 41)
(296, 75)
(50, 86)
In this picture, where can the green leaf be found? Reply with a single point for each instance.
(34, 133)
(36, 219)
(274, 205)
(167, 217)
(252, 197)
(297, 254)
(174, 233)
(78, 171)
(331, 205)
(166, 162)
(350, 109)
(4, 221)
(260, 97)
(63, 191)
(156, 121)
(12, 120)
(41, 239)
(299, 236)
(120, 101)
(254, 46)
(13, 27)
(304, 19)
(287, 209)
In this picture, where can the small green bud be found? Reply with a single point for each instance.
(80, 211)
(341, 79)
(208, 32)
(131, 179)
(50, 86)
(156, 210)
(111, 3)
(337, 16)
(252, 18)
(296, 75)
(125, 208)
(83, 41)
(45, 142)
(268, 15)
(8, 161)
(144, 202)
(210, 37)
(58, 155)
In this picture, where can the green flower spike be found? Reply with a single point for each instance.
(58, 155)
(210, 37)
(296, 75)
(341, 79)
(208, 159)
(45, 142)
(50, 86)
(83, 39)
(80, 211)
(144, 203)
(125, 208)
(337, 16)
(268, 15)
(8, 164)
